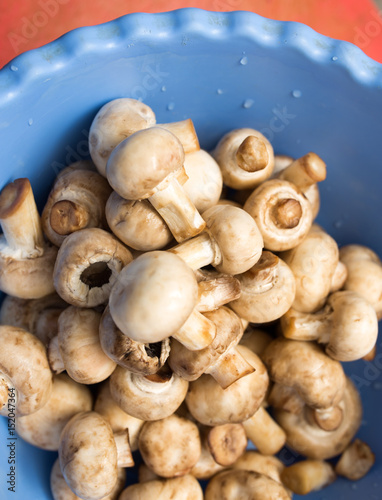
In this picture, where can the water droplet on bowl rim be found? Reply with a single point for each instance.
(334, 58)
(163, 89)
(30, 121)
(219, 91)
(170, 106)
(14, 68)
(296, 93)
(248, 103)
(244, 60)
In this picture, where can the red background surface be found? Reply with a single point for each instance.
(26, 24)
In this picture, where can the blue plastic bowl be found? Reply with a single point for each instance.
(304, 91)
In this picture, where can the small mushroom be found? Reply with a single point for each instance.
(319, 380)
(306, 437)
(235, 483)
(27, 388)
(117, 418)
(237, 403)
(77, 348)
(149, 165)
(313, 263)
(76, 201)
(356, 461)
(177, 488)
(364, 274)
(170, 447)
(26, 260)
(90, 455)
(255, 461)
(145, 359)
(347, 326)
(264, 432)
(220, 359)
(37, 316)
(267, 290)
(87, 266)
(231, 242)
(137, 223)
(307, 476)
(215, 289)
(150, 397)
(43, 427)
(282, 213)
(205, 181)
(61, 491)
(245, 157)
(155, 298)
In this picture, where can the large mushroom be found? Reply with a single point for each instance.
(26, 260)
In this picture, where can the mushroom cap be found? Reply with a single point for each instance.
(237, 237)
(88, 456)
(170, 447)
(117, 418)
(43, 427)
(145, 359)
(33, 383)
(116, 120)
(80, 347)
(87, 265)
(177, 488)
(235, 404)
(304, 366)
(307, 438)
(267, 290)
(153, 297)
(233, 484)
(144, 398)
(269, 465)
(137, 223)
(190, 365)
(256, 340)
(354, 326)
(26, 278)
(142, 161)
(264, 200)
(205, 181)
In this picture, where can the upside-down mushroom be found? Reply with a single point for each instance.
(26, 260)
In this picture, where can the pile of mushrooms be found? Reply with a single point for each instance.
(149, 312)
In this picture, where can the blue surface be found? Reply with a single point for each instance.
(304, 91)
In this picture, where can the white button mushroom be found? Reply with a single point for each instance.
(232, 242)
(43, 427)
(177, 488)
(30, 385)
(245, 157)
(149, 164)
(87, 266)
(255, 461)
(76, 201)
(282, 213)
(26, 261)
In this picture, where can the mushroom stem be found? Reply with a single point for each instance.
(185, 132)
(197, 332)
(176, 208)
(252, 154)
(305, 171)
(230, 367)
(125, 457)
(307, 476)
(307, 326)
(328, 419)
(54, 356)
(217, 290)
(264, 432)
(67, 216)
(286, 213)
(20, 219)
(198, 252)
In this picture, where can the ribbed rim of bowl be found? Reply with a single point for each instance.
(107, 37)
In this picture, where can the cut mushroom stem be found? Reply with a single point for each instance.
(305, 171)
(197, 332)
(185, 132)
(124, 455)
(67, 217)
(227, 443)
(356, 461)
(264, 432)
(20, 219)
(229, 367)
(286, 213)
(198, 252)
(308, 475)
(252, 154)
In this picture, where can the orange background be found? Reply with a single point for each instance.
(26, 24)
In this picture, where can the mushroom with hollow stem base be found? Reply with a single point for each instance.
(307, 476)
(282, 213)
(347, 325)
(149, 164)
(245, 157)
(231, 242)
(171, 446)
(87, 266)
(31, 386)
(26, 260)
(356, 461)
(267, 290)
(177, 488)
(90, 455)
